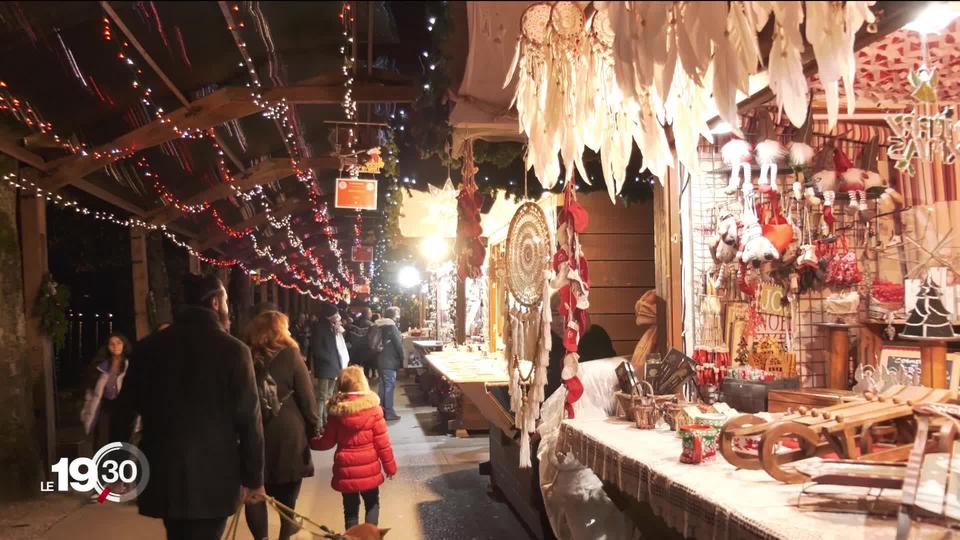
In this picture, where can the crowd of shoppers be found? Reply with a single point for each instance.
(227, 422)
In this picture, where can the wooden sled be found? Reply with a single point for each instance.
(845, 429)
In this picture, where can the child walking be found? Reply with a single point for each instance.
(357, 428)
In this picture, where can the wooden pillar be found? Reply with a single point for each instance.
(33, 234)
(194, 264)
(839, 358)
(273, 293)
(262, 293)
(141, 281)
(933, 364)
(460, 320)
(159, 280)
(666, 230)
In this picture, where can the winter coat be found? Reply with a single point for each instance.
(358, 336)
(194, 387)
(357, 428)
(391, 357)
(285, 437)
(324, 357)
(94, 395)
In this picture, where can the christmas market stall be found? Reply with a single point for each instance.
(801, 321)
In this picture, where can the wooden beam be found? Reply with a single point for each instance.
(265, 172)
(258, 220)
(141, 283)
(10, 145)
(666, 230)
(226, 104)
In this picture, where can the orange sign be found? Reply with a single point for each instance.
(361, 288)
(356, 194)
(361, 254)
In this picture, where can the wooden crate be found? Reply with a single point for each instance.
(781, 400)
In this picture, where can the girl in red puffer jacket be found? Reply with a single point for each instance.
(356, 426)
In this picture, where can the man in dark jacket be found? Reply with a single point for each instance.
(389, 359)
(324, 357)
(193, 386)
(359, 337)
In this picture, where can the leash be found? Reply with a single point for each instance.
(288, 514)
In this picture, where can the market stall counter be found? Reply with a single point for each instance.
(641, 470)
(473, 375)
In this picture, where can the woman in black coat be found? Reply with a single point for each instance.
(286, 432)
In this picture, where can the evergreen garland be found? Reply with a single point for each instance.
(51, 307)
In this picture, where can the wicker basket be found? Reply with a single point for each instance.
(626, 402)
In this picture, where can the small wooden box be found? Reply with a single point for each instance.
(751, 396)
(781, 400)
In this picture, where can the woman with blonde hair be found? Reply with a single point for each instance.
(289, 417)
(364, 453)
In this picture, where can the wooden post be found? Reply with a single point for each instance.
(141, 281)
(194, 264)
(460, 320)
(839, 359)
(262, 293)
(273, 293)
(666, 230)
(33, 234)
(933, 364)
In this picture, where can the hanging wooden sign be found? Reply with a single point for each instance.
(356, 194)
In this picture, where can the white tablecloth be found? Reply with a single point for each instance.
(711, 500)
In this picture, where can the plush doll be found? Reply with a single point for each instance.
(850, 180)
(736, 154)
(768, 153)
(724, 246)
(755, 248)
(800, 155)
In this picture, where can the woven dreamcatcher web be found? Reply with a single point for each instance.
(528, 254)
(527, 261)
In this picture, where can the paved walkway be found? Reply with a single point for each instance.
(437, 493)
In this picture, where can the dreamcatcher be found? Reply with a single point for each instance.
(527, 262)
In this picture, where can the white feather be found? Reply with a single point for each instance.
(769, 152)
(735, 152)
(800, 154)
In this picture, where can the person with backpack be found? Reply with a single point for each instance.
(387, 343)
(289, 417)
(359, 337)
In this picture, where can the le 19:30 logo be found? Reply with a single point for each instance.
(114, 464)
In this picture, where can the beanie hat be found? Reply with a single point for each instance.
(328, 310)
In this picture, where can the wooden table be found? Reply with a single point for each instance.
(474, 374)
(641, 470)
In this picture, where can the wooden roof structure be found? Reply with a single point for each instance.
(127, 80)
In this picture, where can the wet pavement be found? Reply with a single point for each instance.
(437, 493)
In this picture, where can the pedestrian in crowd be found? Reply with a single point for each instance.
(301, 332)
(106, 378)
(388, 344)
(375, 316)
(325, 356)
(288, 429)
(359, 338)
(194, 388)
(364, 453)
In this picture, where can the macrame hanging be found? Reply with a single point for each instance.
(622, 72)
(527, 261)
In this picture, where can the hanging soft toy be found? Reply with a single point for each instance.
(723, 248)
(736, 154)
(850, 180)
(757, 248)
(768, 153)
(800, 155)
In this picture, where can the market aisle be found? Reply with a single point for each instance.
(437, 493)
